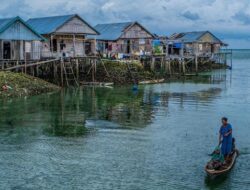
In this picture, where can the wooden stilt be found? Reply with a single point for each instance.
(162, 60)
(196, 64)
(168, 67)
(180, 66)
(77, 69)
(152, 65)
(183, 66)
(33, 71)
(25, 63)
(54, 69)
(61, 65)
(37, 70)
(93, 71)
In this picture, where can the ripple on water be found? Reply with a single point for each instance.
(159, 138)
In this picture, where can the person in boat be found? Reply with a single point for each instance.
(225, 138)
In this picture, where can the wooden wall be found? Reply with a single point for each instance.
(65, 44)
(202, 48)
(20, 49)
(76, 26)
(136, 31)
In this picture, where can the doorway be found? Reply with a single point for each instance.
(87, 48)
(128, 47)
(6, 50)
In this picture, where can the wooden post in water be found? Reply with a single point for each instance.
(54, 69)
(162, 61)
(196, 64)
(61, 65)
(167, 66)
(25, 63)
(231, 59)
(183, 67)
(180, 66)
(225, 59)
(152, 65)
(37, 70)
(17, 63)
(93, 70)
(32, 71)
(95, 66)
(77, 69)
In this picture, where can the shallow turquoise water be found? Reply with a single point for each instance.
(156, 138)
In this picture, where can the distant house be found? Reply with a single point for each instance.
(194, 43)
(18, 41)
(66, 35)
(126, 38)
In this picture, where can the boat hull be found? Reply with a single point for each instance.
(213, 172)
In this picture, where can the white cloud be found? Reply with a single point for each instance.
(224, 17)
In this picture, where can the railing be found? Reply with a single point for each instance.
(226, 52)
(22, 64)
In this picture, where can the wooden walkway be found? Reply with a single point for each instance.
(71, 71)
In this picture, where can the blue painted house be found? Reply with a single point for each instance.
(18, 41)
(66, 35)
(194, 43)
(130, 38)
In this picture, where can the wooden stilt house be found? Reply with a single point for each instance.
(194, 43)
(18, 41)
(124, 39)
(66, 35)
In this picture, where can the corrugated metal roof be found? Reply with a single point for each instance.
(111, 31)
(5, 23)
(190, 36)
(48, 25)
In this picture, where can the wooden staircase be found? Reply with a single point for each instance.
(69, 74)
(133, 72)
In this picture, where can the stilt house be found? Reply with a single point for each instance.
(124, 39)
(194, 43)
(18, 41)
(66, 35)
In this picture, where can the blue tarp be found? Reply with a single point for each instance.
(177, 45)
(156, 42)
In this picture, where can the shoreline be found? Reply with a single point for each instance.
(117, 73)
(22, 85)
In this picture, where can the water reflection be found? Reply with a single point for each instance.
(70, 111)
(84, 133)
(213, 183)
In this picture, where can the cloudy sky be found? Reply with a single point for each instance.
(228, 19)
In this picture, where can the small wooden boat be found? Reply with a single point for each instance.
(152, 81)
(102, 84)
(224, 168)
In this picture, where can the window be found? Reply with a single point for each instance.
(200, 47)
